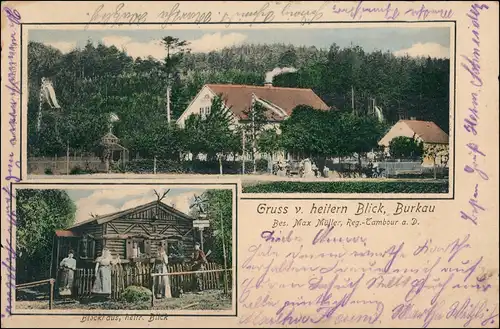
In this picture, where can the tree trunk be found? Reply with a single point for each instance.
(220, 164)
(359, 163)
(194, 156)
(254, 161)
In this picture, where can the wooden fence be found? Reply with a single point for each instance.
(186, 282)
(50, 282)
(211, 279)
(139, 274)
(61, 165)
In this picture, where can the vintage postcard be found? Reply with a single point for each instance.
(250, 164)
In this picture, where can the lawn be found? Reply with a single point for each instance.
(207, 300)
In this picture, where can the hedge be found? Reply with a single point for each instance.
(348, 187)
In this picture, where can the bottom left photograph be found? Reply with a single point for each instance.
(84, 248)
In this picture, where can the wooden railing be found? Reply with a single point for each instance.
(39, 283)
(142, 274)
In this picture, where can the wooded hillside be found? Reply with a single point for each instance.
(96, 80)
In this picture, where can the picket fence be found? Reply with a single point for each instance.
(139, 274)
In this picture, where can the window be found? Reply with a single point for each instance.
(138, 248)
(174, 247)
(175, 250)
(87, 247)
(204, 111)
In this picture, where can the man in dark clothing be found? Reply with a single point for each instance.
(199, 262)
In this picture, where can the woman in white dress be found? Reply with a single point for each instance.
(162, 282)
(102, 283)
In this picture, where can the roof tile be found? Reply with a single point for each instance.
(239, 98)
(428, 131)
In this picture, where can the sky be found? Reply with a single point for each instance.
(416, 41)
(107, 201)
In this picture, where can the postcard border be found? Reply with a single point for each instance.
(235, 245)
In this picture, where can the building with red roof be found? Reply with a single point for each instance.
(278, 101)
(426, 132)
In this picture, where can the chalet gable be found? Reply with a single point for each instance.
(141, 215)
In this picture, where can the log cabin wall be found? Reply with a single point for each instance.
(155, 224)
(96, 231)
(93, 229)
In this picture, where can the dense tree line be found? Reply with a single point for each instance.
(218, 205)
(322, 134)
(39, 214)
(93, 81)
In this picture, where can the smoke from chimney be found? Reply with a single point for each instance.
(277, 71)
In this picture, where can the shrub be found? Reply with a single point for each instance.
(48, 171)
(77, 170)
(136, 294)
(117, 167)
(348, 187)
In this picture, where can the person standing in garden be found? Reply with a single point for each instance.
(163, 282)
(199, 263)
(68, 267)
(102, 283)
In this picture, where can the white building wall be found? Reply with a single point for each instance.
(398, 130)
(202, 101)
(402, 129)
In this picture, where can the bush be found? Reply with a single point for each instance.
(77, 170)
(136, 294)
(48, 171)
(117, 167)
(348, 187)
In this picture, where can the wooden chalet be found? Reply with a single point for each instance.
(132, 235)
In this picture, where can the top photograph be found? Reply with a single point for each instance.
(341, 109)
